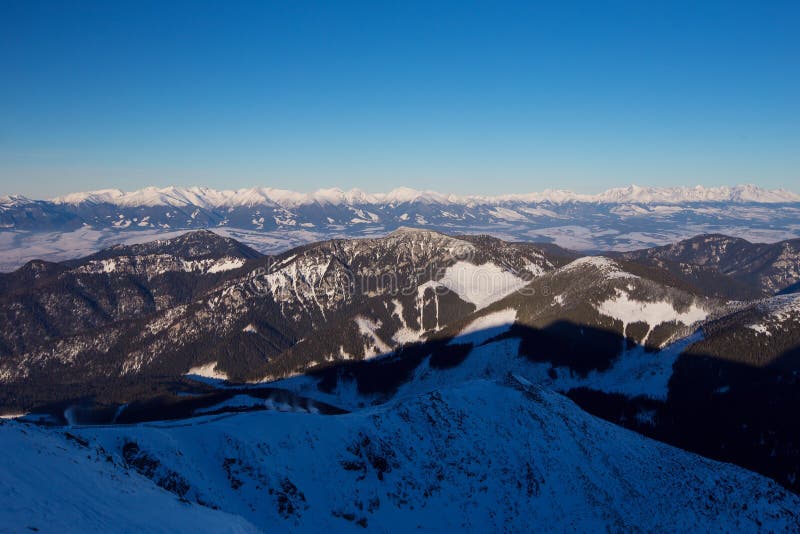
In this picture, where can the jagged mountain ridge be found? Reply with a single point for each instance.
(253, 313)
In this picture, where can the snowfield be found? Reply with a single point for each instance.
(207, 371)
(467, 430)
(480, 285)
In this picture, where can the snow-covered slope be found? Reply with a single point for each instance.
(358, 322)
(590, 323)
(481, 456)
(53, 483)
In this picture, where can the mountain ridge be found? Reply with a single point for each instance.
(476, 456)
(212, 198)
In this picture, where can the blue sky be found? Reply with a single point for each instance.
(469, 97)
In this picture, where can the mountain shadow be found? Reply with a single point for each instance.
(722, 409)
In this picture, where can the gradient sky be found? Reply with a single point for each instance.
(467, 97)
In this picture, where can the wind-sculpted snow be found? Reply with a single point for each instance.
(477, 457)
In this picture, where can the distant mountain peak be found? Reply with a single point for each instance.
(411, 230)
(191, 245)
(8, 201)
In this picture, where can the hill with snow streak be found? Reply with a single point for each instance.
(475, 457)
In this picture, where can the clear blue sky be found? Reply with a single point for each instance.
(470, 97)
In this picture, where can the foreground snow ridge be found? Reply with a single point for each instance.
(52, 483)
(481, 456)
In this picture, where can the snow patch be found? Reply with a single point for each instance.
(507, 214)
(607, 266)
(226, 264)
(207, 370)
(628, 310)
(404, 334)
(480, 285)
(368, 327)
(486, 327)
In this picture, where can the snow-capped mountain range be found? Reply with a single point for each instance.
(211, 198)
(271, 220)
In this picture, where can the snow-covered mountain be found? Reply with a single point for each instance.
(272, 220)
(687, 344)
(201, 301)
(157, 309)
(476, 456)
(204, 197)
(770, 267)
